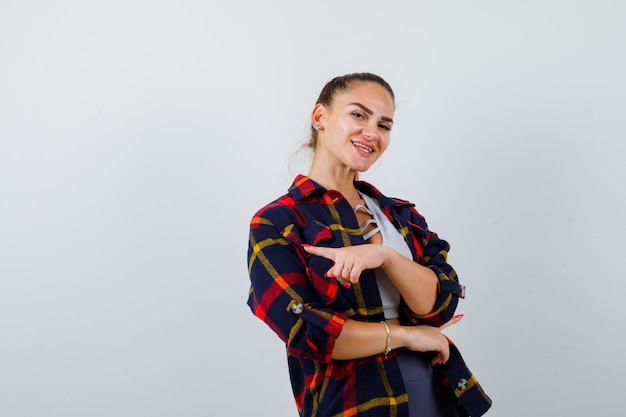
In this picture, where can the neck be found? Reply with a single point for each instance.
(334, 178)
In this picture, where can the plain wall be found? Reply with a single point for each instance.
(137, 138)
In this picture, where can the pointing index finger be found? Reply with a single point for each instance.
(327, 253)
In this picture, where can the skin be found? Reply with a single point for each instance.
(353, 133)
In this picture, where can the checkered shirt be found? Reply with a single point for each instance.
(307, 310)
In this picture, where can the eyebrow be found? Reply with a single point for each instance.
(368, 111)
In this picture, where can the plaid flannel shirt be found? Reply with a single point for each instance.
(307, 311)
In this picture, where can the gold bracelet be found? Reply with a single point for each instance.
(388, 347)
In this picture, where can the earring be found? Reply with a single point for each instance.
(317, 126)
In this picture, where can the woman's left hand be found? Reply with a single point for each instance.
(350, 261)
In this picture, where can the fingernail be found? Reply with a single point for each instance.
(459, 316)
(305, 246)
(347, 285)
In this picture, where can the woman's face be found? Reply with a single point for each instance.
(356, 129)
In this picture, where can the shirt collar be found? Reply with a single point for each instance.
(304, 187)
(383, 201)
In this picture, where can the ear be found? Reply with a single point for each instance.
(318, 113)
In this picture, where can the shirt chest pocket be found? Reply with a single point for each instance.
(315, 234)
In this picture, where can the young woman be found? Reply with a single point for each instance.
(354, 282)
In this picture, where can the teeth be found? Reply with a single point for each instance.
(370, 150)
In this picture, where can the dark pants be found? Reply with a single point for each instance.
(428, 397)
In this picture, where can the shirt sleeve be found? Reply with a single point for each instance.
(281, 292)
(434, 255)
(464, 385)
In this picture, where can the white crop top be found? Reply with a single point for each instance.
(391, 237)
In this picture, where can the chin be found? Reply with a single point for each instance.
(361, 164)
(360, 168)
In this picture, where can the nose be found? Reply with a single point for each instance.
(370, 132)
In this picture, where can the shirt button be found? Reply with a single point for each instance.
(462, 385)
(461, 291)
(297, 308)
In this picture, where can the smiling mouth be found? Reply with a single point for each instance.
(365, 148)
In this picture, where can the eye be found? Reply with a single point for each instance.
(384, 127)
(358, 115)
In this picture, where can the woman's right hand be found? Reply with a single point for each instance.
(424, 338)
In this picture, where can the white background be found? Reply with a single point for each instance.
(137, 138)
